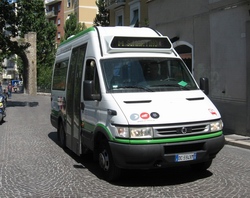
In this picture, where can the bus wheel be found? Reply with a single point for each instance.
(201, 166)
(110, 170)
(61, 136)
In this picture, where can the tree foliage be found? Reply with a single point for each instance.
(72, 26)
(102, 18)
(9, 23)
(28, 16)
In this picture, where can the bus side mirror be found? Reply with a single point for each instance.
(89, 91)
(204, 86)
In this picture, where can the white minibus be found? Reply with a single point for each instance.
(125, 95)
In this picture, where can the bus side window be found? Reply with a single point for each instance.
(60, 74)
(91, 74)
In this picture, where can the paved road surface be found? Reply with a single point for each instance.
(33, 165)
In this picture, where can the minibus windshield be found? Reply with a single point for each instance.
(146, 75)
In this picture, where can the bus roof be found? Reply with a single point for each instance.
(121, 39)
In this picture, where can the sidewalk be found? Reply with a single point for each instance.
(238, 140)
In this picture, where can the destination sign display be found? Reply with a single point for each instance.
(140, 42)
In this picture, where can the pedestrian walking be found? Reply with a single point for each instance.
(9, 90)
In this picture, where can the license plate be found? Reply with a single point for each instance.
(185, 157)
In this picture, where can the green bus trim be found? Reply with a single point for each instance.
(107, 131)
(169, 140)
(177, 139)
(77, 35)
(162, 140)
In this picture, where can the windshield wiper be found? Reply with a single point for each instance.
(171, 85)
(135, 87)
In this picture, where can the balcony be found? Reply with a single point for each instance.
(51, 2)
(111, 4)
(51, 14)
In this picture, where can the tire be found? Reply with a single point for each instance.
(201, 166)
(61, 136)
(110, 171)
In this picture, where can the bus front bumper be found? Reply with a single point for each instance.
(164, 155)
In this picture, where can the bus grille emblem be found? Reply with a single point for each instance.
(184, 130)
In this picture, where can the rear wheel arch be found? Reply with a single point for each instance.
(61, 135)
(59, 121)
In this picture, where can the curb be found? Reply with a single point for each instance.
(43, 94)
(239, 141)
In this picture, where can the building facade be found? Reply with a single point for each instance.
(55, 14)
(215, 36)
(58, 12)
(86, 11)
(128, 12)
(10, 70)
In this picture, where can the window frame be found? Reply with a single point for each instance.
(64, 76)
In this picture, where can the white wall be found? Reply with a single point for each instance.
(228, 54)
(217, 30)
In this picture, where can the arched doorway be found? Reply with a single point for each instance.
(185, 51)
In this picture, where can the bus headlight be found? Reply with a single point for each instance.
(146, 132)
(143, 132)
(122, 132)
(216, 126)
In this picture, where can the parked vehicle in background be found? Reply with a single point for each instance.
(3, 103)
(15, 84)
(124, 94)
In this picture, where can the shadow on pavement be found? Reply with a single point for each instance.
(83, 162)
(11, 103)
(156, 177)
(161, 177)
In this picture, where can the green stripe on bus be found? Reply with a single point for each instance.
(54, 112)
(169, 140)
(156, 141)
(77, 35)
(107, 131)
(91, 127)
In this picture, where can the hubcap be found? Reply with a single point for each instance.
(104, 160)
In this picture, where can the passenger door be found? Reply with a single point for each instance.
(91, 107)
(73, 99)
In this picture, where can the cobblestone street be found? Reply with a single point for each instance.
(33, 165)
